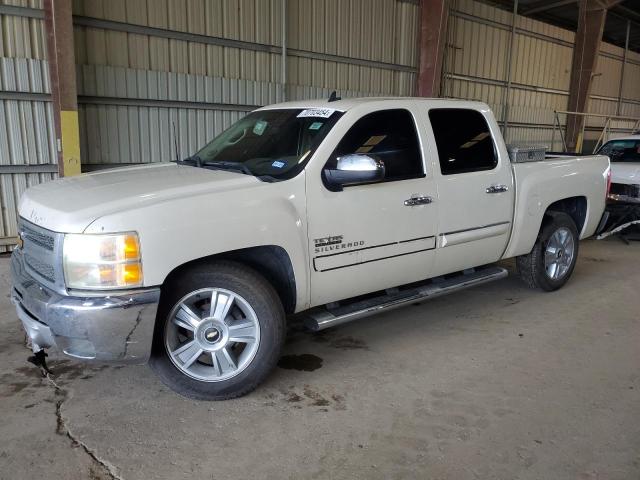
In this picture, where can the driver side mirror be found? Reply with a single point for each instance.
(354, 169)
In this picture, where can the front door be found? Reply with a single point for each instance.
(380, 235)
(475, 190)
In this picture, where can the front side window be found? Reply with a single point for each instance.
(621, 150)
(389, 136)
(271, 144)
(463, 139)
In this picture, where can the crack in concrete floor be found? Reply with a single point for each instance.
(499, 383)
(102, 469)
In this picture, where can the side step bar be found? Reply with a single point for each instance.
(319, 319)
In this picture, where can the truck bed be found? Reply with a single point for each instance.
(540, 184)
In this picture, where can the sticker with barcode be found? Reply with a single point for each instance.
(316, 112)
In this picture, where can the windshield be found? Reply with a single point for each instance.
(273, 144)
(622, 150)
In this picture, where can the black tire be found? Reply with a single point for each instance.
(262, 298)
(531, 267)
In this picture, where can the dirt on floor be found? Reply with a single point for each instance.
(497, 382)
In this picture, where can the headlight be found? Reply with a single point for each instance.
(102, 261)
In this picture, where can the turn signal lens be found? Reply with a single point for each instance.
(131, 247)
(97, 262)
(132, 274)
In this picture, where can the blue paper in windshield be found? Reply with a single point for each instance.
(315, 126)
(278, 164)
(259, 127)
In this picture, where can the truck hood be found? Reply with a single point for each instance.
(627, 173)
(70, 204)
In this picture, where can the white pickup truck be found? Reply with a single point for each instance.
(337, 209)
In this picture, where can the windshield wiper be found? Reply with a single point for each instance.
(267, 178)
(228, 165)
(194, 161)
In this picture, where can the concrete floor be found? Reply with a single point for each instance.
(496, 382)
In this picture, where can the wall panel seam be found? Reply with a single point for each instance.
(530, 88)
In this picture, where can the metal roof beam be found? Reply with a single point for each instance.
(622, 11)
(58, 24)
(583, 67)
(544, 5)
(602, 4)
(433, 34)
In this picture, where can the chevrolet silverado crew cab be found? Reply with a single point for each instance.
(331, 209)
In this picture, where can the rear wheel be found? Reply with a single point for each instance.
(220, 332)
(553, 257)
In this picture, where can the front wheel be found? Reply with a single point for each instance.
(220, 332)
(554, 255)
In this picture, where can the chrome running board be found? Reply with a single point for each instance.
(321, 318)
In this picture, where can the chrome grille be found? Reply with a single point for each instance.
(42, 251)
(43, 269)
(44, 240)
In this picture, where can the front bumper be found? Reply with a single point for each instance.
(113, 328)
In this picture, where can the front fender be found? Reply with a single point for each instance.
(178, 231)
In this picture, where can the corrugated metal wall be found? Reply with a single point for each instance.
(225, 52)
(27, 147)
(129, 115)
(375, 30)
(323, 37)
(476, 68)
(606, 83)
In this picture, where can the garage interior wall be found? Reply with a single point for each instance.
(118, 66)
(27, 136)
(147, 67)
(476, 67)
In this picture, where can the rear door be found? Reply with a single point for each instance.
(475, 189)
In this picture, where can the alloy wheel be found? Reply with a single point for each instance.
(212, 334)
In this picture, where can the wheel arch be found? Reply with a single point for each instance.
(270, 261)
(531, 217)
(575, 207)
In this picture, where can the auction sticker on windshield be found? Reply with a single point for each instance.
(316, 112)
(260, 127)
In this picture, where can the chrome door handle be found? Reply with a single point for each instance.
(414, 201)
(497, 189)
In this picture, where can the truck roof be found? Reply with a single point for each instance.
(349, 103)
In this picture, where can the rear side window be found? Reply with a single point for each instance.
(390, 136)
(463, 139)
